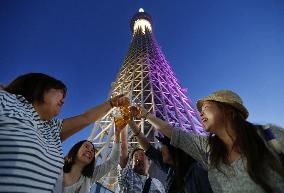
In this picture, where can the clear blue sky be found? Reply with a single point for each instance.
(211, 45)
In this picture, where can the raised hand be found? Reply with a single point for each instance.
(120, 100)
(135, 112)
(138, 112)
(134, 127)
(119, 124)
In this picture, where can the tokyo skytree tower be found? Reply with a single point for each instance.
(148, 79)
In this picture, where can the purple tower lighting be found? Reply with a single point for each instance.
(148, 79)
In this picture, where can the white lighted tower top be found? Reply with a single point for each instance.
(141, 20)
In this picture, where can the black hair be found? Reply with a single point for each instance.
(70, 159)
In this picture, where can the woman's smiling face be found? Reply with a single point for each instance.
(86, 153)
(211, 116)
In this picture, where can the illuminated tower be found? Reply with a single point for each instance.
(148, 79)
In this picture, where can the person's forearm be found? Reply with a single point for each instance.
(160, 125)
(124, 148)
(116, 137)
(97, 112)
(142, 140)
(75, 124)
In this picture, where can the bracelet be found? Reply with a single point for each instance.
(137, 133)
(110, 102)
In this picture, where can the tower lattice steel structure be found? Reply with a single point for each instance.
(148, 79)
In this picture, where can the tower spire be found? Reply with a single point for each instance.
(141, 10)
(141, 20)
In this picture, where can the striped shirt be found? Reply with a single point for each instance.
(31, 156)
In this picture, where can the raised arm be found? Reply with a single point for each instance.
(192, 144)
(159, 124)
(112, 162)
(142, 140)
(124, 149)
(150, 151)
(75, 124)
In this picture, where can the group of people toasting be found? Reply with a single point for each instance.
(233, 155)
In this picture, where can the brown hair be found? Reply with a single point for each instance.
(33, 86)
(182, 162)
(70, 159)
(257, 155)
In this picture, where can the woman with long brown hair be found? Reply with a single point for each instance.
(236, 152)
